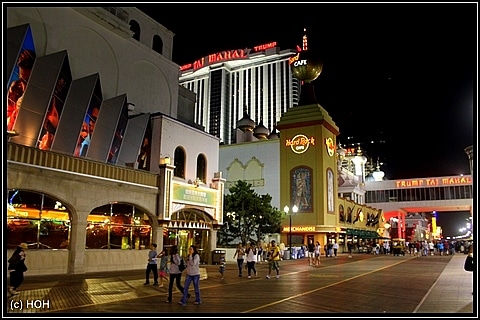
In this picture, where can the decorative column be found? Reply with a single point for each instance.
(78, 234)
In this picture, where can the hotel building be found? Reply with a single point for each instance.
(255, 80)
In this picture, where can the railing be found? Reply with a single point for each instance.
(118, 12)
(33, 156)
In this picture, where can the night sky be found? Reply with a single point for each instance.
(403, 73)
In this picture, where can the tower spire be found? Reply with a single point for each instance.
(304, 40)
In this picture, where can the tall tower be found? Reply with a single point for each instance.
(308, 164)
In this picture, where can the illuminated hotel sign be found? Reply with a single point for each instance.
(433, 182)
(300, 143)
(192, 195)
(228, 55)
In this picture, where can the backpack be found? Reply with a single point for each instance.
(182, 265)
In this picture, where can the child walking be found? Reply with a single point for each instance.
(163, 269)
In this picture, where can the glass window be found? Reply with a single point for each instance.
(341, 213)
(179, 162)
(36, 219)
(118, 226)
(201, 168)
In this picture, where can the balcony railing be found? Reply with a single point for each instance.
(33, 156)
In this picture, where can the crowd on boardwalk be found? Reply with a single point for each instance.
(436, 247)
(420, 248)
(271, 253)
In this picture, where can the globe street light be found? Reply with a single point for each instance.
(286, 209)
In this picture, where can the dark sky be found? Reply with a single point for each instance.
(451, 222)
(404, 73)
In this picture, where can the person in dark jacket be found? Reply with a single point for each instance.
(16, 267)
(175, 273)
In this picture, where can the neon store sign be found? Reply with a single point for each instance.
(227, 55)
(433, 182)
(300, 229)
(300, 143)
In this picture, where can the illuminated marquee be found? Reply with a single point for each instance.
(227, 55)
(433, 182)
(300, 143)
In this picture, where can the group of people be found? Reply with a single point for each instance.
(250, 255)
(169, 264)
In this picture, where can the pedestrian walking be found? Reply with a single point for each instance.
(175, 274)
(152, 266)
(16, 268)
(281, 247)
(329, 250)
(273, 259)
(311, 252)
(259, 252)
(222, 266)
(350, 247)
(335, 249)
(251, 252)
(318, 248)
(163, 267)
(240, 254)
(193, 275)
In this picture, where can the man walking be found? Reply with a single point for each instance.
(273, 260)
(152, 266)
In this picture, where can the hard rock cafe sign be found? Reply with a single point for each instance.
(330, 146)
(300, 143)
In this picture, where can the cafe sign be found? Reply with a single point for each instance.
(300, 143)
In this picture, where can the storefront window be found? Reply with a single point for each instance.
(118, 226)
(44, 223)
(36, 219)
(189, 227)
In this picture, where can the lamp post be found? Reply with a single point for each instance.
(286, 209)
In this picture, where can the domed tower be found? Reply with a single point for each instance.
(306, 67)
(308, 160)
(246, 123)
(245, 128)
(261, 132)
(274, 133)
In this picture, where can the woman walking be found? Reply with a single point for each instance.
(193, 275)
(175, 273)
(240, 254)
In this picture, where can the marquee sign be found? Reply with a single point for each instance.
(300, 143)
(226, 55)
(300, 229)
(193, 195)
(434, 182)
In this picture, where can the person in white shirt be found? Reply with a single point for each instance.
(335, 249)
(251, 252)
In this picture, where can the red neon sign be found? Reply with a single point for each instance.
(225, 56)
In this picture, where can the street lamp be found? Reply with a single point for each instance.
(286, 209)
